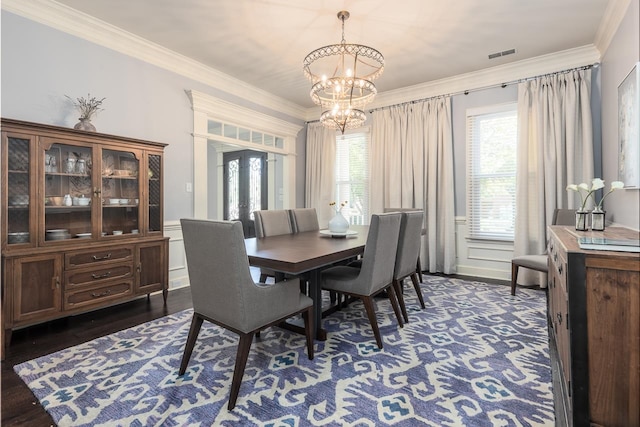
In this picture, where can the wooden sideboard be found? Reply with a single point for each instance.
(594, 319)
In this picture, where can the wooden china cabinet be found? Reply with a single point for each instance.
(82, 216)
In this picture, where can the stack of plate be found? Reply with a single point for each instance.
(58, 234)
(22, 237)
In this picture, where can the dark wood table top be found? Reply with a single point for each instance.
(302, 252)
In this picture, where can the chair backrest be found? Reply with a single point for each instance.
(408, 244)
(304, 219)
(218, 268)
(272, 223)
(386, 210)
(379, 253)
(564, 217)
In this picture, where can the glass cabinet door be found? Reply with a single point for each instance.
(120, 193)
(68, 191)
(155, 193)
(18, 185)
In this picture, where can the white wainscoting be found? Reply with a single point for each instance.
(178, 275)
(475, 258)
(482, 258)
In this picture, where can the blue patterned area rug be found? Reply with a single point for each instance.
(475, 357)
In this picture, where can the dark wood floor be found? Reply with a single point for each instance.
(19, 405)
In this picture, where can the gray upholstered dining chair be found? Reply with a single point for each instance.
(224, 293)
(422, 233)
(376, 273)
(272, 223)
(304, 219)
(540, 262)
(408, 252)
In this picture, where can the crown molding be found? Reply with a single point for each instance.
(613, 16)
(79, 24)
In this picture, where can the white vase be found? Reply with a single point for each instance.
(338, 224)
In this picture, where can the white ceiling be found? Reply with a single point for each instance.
(264, 42)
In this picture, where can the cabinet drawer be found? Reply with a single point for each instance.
(98, 256)
(75, 278)
(97, 295)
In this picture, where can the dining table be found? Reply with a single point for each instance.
(307, 254)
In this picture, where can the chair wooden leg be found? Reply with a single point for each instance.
(333, 296)
(514, 277)
(398, 286)
(419, 271)
(416, 286)
(308, 330)
(241, 361)
(394, 303)
(196, 324)
(263, 278)
(371, 314)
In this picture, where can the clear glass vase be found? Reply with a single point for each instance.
(597, 219)
(581, 220)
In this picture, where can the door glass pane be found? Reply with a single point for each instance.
(18, 191)
(255, 185)
(68, 191)
(233, 185)
(120, 193)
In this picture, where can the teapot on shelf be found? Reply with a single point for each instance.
(67, 201)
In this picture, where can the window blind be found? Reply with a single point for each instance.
(352, 176)
(491, 172)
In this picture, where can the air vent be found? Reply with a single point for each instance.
(503, 53)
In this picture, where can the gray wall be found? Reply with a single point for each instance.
(41, 65)
(622, 207)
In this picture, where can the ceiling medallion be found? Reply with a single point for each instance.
(342, 78)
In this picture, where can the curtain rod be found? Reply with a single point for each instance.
(503, 85)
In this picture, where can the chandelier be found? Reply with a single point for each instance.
(342, 80)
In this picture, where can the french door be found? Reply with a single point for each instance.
(245, 187)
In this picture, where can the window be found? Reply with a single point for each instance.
(352, 176)
(491, 171)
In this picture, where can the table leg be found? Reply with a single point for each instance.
(315, 292)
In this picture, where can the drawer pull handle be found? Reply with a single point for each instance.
(101, 276)
(103, 294)
(98, 258)
(559, 316)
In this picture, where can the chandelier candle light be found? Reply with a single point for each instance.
(342, 77)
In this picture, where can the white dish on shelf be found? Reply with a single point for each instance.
(337, 234)
(83, 235)
(124, 201)
(58, 231)
(114, 201)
